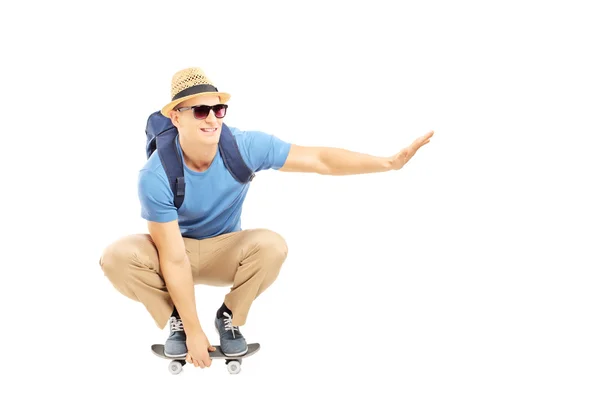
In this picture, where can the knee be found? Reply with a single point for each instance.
(271, 244)
(114, 261)
(120, 255)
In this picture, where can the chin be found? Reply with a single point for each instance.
(212, 139)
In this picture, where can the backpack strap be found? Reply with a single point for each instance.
(172, 163)
(162, 136)
(232, 158)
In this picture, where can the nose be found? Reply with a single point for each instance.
(211, 117)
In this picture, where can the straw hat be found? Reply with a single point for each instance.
(188, 83)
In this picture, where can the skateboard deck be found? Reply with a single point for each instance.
(233, 362)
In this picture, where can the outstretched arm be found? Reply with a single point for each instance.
(335, 161)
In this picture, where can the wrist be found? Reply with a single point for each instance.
(388, 163)
(192, 327)
(194, 330)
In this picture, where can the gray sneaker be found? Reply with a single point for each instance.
(232, 340)
(175, 345)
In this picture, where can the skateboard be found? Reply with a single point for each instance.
(233, 363)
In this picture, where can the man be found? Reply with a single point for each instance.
(202, 242)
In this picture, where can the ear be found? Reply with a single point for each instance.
(174, 115)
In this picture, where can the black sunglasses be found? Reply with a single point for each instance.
(201, 112)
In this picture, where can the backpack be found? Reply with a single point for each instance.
(161, 135)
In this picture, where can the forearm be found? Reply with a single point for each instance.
(180, 284)
(345, 162)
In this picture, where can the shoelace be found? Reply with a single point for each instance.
(228, 325)
(176, 324)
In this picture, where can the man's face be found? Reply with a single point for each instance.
(205, 131)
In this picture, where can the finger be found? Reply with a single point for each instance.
(422, 142)
(196, 363)
(212, 348)
(418, 141)
(415, 146)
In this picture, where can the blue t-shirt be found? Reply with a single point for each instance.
(213, 198)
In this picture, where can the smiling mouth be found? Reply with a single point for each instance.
(208, 130)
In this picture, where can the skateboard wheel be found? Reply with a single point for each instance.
(234, 367)
(175, 367)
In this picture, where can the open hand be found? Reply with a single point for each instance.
(400, 159)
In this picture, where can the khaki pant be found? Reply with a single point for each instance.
(248, 261)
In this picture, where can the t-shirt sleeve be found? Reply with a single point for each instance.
(156, 197)
(264, 151)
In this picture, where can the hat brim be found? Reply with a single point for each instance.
(224, 98)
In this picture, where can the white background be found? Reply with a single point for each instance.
(472, 273)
